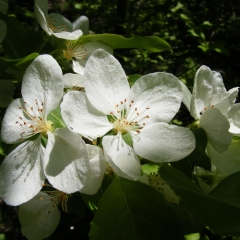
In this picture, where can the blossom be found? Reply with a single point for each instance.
(21, 173)
(209, 104)
(79, 53)
(66, 159)
(54, 23)
(142, 112)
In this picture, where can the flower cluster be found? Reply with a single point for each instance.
(69, 131)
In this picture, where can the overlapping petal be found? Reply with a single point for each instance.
(121, 157)
(81, 117)
(202, 91)
(161, 142)
(216, 126)
(97, 168)
(21, 173)
(105, 82)
(66, 161)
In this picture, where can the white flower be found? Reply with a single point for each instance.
(39, 217)
(209, 103)
(21, 173)
(79, 54)
(55, 23)
(65, 161)
(143, 112)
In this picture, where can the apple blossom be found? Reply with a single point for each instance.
(54, 23)
(65, 161)
(209, 105)
(79, 54)
(141, 113)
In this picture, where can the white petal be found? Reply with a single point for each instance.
(234, 113)
(156, 95)
(82, 117)
(3, 28)
(43, 81)
(73, 80)
(121, 157)
(187, 96)
(235, 130)
(89, 47)
(15, 123)
(224, 101)
(39, 217)
(69, 35)
(58, 23)
(41, 13)
(161, 142)
(202, 90)
(105, 82)
(97, 168)
(21, 173)
(66, 161)
(218, 85)
(216, 127)
(77, 68)
(81, 23)
(227, 162)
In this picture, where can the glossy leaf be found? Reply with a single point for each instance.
(218, 213)
(151, 43)
(126, 207)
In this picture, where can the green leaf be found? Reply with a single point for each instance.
(56, 118)
(13, 44)
(131, 210)
(199, 157)
(6, 92)
(133, 78)
(92, 200)
(217, 213)
(151, 43)
(228, 189)
(6, 63)
(25, 62)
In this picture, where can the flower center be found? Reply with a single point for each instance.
(34, 122)
(74, 51)
(205, 109)
(128, 119)
(51, 23)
